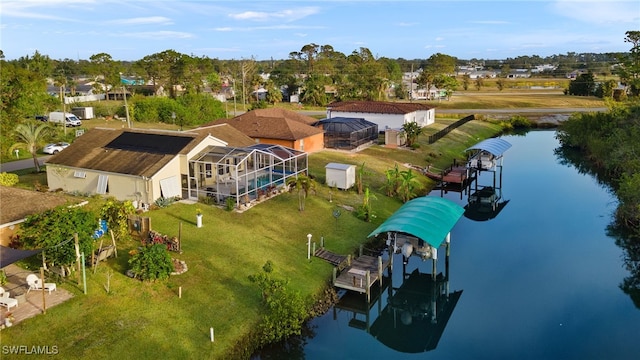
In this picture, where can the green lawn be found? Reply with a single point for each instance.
(150, 321)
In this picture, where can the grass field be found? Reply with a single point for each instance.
(150, 321)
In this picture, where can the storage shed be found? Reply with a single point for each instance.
(341, 176)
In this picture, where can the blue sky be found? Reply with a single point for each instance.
(237, 29)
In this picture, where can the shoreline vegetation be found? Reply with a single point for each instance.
(152, 320)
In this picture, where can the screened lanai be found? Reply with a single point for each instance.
(347, 133)
(242, 174)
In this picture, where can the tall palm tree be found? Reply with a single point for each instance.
(303, 184)
(31, 136)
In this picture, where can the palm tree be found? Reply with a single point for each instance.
(303, 184)
(412, 131)
(31, 136)
(408, 183)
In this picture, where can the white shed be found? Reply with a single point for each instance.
(341, 176)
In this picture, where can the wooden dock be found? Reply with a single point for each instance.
(361, 274)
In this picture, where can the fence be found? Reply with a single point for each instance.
(435, 137)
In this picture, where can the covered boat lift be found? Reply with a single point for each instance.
(420, 227)
(485, 201)
(487, 154)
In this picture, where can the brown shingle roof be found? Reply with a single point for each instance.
(93, 151)
(378, 107)
(274, 123)
(20, 203)
(225, 132)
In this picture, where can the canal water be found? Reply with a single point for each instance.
(536, 279)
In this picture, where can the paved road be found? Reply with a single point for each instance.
(21, 164)
(549, 111)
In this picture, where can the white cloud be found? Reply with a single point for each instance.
(143, 21)
(158, 35)
(282, 15)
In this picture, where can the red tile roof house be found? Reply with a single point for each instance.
(280, 127)
(387, 115)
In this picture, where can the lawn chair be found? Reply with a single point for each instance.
(36, 284)
(6, 301)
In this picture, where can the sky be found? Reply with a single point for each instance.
(129, 30)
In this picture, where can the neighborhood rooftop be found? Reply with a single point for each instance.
(377, 107)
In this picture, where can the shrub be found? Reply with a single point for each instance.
(116, 213)
(163, 202)
(151, 262)
(8, 179)
(285, 310)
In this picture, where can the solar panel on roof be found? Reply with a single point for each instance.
(151, 143)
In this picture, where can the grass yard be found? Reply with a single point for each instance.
(150, 321)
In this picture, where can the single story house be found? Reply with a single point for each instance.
(128, 164)
(387, 115)
(279, 127)
(18, 203)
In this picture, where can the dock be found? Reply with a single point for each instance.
(361, 274)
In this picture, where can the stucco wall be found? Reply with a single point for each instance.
(391, 121)
(122, 187)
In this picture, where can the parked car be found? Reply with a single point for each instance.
(44, 118)
(55, 148)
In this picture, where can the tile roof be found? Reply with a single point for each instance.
(100, 149)
(274, 123)
(225, 132)
(378, 107)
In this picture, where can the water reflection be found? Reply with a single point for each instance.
(628, 242)
(414, 317)
(416, 314)
(484, 204)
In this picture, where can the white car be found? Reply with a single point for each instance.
(55, 148)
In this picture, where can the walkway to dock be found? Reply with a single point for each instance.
(332, 258)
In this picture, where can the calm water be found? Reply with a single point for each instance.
(538, 281)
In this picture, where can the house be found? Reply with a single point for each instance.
(225, 132)
(128, 164)
(279, 127)
(387, 115)
(18, 203)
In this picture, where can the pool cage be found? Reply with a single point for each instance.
(348, 133)
(242, 174)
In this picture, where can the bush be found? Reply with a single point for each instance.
(163, 202)
(151, 262)
(8, 179)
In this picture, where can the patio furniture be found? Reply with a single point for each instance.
(36, 284)
(6, 301)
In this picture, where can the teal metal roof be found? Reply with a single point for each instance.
(495, 146)
(429, 218)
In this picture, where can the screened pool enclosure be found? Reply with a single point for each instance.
(243, 174)
(347, 133)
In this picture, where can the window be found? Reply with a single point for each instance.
(80, 174)
(207, 170)
(103, 184)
